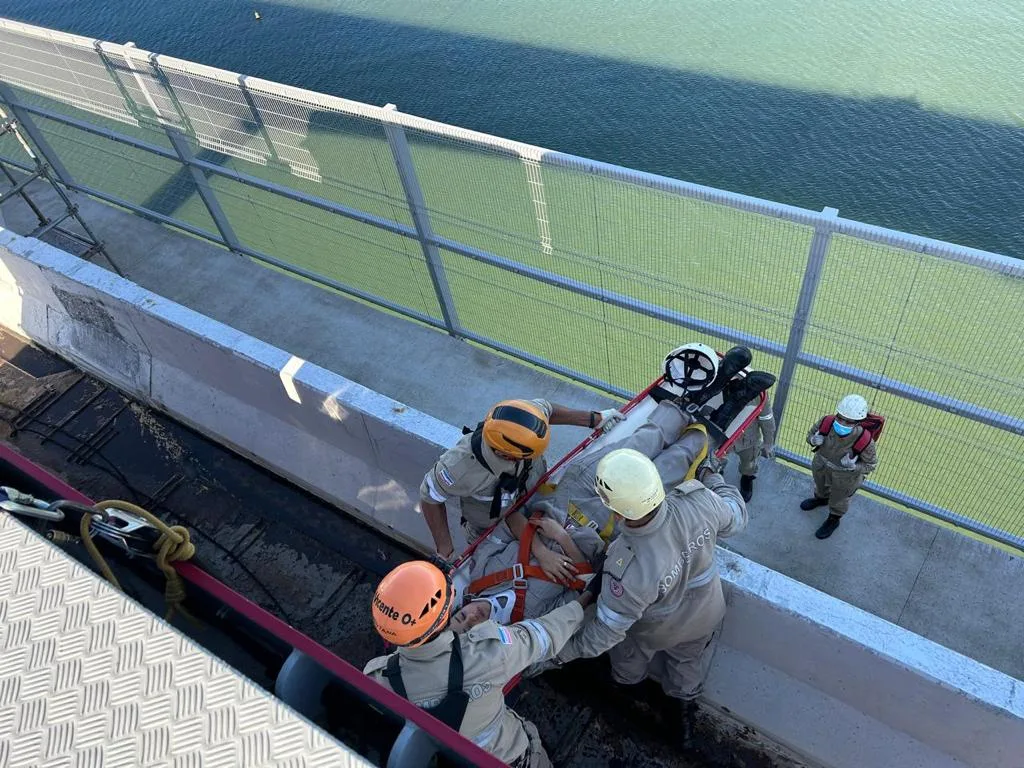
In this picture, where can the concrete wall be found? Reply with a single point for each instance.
(835, 684)
(328, 434)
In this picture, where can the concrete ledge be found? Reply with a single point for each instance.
(344, 442)
(829, 681)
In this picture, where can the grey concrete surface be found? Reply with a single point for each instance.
(944, 586)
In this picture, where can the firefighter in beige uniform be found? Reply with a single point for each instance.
(837, 472)
(459, 678)
(752, 445)
(661, 602)
(492, 466)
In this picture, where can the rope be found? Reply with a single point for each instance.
(174, 545)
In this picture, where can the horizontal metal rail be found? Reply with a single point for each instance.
(825, 365)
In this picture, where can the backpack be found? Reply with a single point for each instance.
(872, 426)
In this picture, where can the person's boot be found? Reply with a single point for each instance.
(746, 486)
(686, 717)
(738, 394)
(812, 503)
(826, 529)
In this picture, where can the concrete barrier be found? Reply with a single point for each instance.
(832, 683)
(338, 439)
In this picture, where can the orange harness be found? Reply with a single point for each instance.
(523, 570)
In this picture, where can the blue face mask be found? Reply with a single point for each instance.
(841, 429)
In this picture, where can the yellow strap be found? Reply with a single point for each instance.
(582, 520)
(691, 473)
(174, 544)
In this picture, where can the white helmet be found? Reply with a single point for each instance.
(853, 407)
(692, 366)
(629, 484)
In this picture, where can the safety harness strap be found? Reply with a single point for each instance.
(523, 570)
(452, 708)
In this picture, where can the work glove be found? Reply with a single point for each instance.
(608, 418)
(848, 461)
(768, 450)
(594, 585)
(712, 465)
(817, 439)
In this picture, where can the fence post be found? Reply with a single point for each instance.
(804, 305)
(49, 156)
(184, 152)
(421, 220)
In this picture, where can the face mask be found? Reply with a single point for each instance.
(841, 429)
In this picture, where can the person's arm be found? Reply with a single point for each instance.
(766, 423)
(813, 438)
(868, 458)
(730, 510)
(536, 640)
(436, 516)
(561, 537)
(591, 419)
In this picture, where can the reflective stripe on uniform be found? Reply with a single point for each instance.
(435, 494)
(613, 619)
(490, 733)
(540, 633)
(766, 415)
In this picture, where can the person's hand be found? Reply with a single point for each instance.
(848, 461)
(712, 465)
(551, 529)
(768, 450)
(817, 439)
(608, 418)
(557, 567)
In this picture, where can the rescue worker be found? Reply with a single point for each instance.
(459, 678)
(661, 603)
(752, 445)
(837, 470)
(492, 466)
(668, 437)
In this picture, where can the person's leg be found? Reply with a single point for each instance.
(661, 429)
(822, 476)
(687, 666)
(675, 461)
(841, 489)
(749, 456)
(536, 756)
(629, 662)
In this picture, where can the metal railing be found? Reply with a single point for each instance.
(587, 269)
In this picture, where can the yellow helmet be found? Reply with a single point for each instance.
(412, 603)
(517, 428)
(629, 484)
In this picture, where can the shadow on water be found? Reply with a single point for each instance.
(883, 161)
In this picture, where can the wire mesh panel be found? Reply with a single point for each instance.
(149, 181)
(947, 327)
(65, 67)
(357, 255)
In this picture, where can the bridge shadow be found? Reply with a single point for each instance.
(883, 161)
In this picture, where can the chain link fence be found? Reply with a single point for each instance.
(590, 270)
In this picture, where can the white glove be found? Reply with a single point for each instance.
(848, 461)
(817, 439)
(608, 418)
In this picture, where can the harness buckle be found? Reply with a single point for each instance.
(592, 525)
(518, 577)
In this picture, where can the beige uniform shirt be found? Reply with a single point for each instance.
(655, 576)
(458, 474)
(835, 447)
(491, 655)
(495, 554)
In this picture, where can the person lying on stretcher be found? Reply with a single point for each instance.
(575, 522)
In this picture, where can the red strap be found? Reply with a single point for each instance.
(862, 441)
(826, 425)
(522, 571)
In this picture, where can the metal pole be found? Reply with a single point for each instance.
(206, 193)
(804, 306)
(424, 232)
(25, 121)
(184, 152)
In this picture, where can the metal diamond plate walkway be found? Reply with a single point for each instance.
(88, 678)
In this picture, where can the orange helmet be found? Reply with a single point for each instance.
(412, 603)
(518, 428)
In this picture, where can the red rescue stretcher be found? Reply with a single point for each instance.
(636, 412)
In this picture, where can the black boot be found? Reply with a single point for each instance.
(736, 397)
(686, 717)
(826, 529)
(746, 486)
(812, 503)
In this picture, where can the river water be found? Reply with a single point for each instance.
(908, 115)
